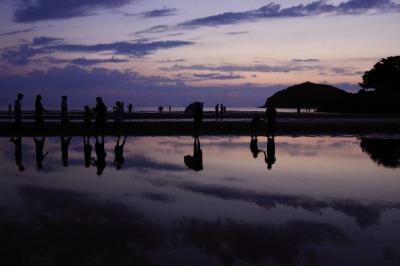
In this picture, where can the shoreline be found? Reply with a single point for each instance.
(284, 126)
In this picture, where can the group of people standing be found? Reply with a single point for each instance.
(220, 110)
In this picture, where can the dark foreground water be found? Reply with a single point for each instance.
(325, 201)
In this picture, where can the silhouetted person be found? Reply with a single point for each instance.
(160, 108)
(216, 110)
(118, 116)
(119, 153)
(87, 118)
(39, 145)
(130, 108)
(39, 109)
(197, 118)
(87, 150)
(101, 114)
(298, 110)
(195, 162)
(169, 108)
(269, 156)
(64, 149)
(101, 155)
(271, 120)
(64, 111)
(17, 110)
(18, 152)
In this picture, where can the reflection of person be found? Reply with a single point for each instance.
(254, 146)
(195, 162)
(39, 109)
(269, 156)
(119, 153)
(64, 110)
(101, 154)
(87, 150)
(39, 145)
(64, 149)
(17, 109)
(18, 152)
(271, 120)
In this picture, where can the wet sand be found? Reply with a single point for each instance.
(234, 123)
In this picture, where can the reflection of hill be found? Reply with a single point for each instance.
(306, 95)
(385, 152)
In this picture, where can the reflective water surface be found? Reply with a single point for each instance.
(206, 201)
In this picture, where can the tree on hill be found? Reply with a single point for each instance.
(384, 77)
(305, 95)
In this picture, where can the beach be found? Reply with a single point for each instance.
(232, 123)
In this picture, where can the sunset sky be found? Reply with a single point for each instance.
(176, 51)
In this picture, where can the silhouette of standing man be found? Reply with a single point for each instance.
(216, 110)
(64, 111)
(271, 120)
(18, 152)
(17, 110)
(39, 109)
(101, 114)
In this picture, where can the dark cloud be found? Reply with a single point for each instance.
(24, 53)
(154, 29)
(311, 60)
(44, 40)
(83, 83)
(89, 62)
(38, 10)
(163, 12)
(315, 8)
(15, 32)
(237, 32)
(262, 68)
(218, 76)
(21, 55)
(137, 49)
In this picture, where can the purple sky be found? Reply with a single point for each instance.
(173, 52)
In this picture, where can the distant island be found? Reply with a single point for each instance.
(379, 93)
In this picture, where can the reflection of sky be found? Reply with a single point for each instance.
(279, 50)
(323, 183)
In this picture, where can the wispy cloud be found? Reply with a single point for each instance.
(154, 29)
(315, 8)
(23, 54)
(163, 12)
(39, 10)
(218, 76)
(237, 32)
(262, 68)
(311, 60)
(89, 62)
(15, 32)
(44, 40)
